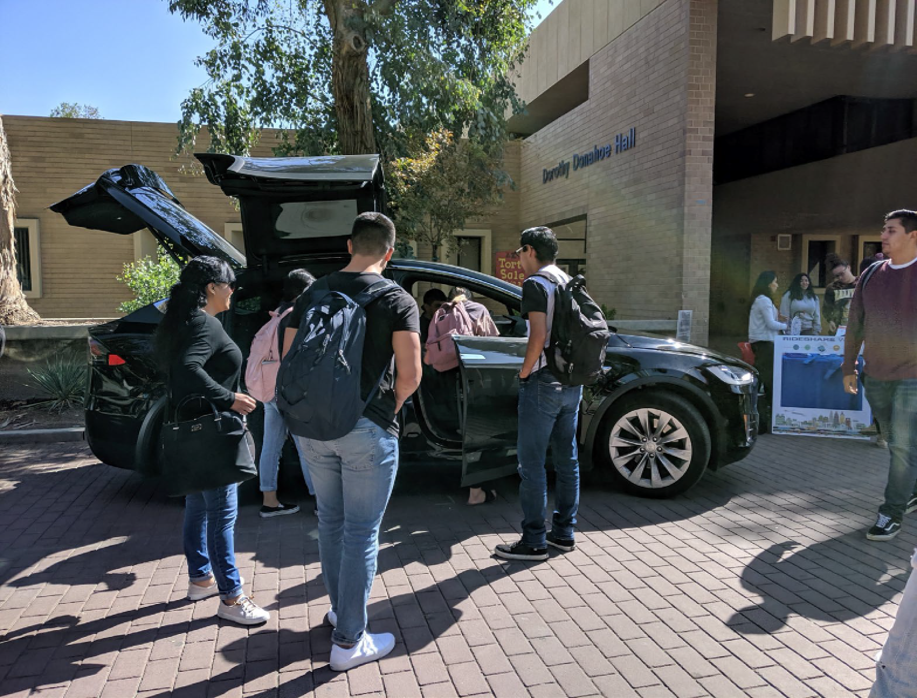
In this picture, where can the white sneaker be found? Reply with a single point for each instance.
(244, 612)
(198, 593)
(370, 648)
(332, 619)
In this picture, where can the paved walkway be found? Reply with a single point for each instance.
(757, 583)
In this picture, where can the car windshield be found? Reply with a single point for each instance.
(202, 237)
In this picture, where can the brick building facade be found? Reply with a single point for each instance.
(670, 144)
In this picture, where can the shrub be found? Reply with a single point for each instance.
(62, 380)
(149, 280)
(609, 312)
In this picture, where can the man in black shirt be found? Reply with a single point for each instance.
(548, 413)
(353, 476)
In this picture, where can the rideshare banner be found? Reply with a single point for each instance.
(809, 397)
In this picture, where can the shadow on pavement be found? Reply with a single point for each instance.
(833, 581)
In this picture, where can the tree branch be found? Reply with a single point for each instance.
(383, 7)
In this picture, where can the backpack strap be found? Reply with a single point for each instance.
(870, 270)
(557, 281)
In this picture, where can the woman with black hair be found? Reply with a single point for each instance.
(800, 301)
(763, 328)
(199, 358)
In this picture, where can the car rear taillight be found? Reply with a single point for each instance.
(99, 354)
(96, 350)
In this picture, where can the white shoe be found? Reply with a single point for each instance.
(332, 619)
(198, 593)
(370, 648)
(244, 612)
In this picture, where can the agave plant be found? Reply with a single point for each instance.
(63, 381)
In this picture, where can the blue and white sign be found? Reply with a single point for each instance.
(809, 397)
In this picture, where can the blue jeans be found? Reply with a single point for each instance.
(894, 405)
(548, 414)
(353, 478)
(275, 436)
(896, 665)
(209, 532)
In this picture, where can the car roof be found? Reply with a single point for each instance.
(460, 275)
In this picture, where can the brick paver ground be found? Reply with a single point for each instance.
(758, 583)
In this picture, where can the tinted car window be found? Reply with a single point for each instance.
(314, 219)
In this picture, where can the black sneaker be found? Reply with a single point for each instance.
(564, 544)
(281, 510)
(520, 551)
(911, 504)
(886, 528)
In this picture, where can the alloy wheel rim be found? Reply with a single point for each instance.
(650, 448)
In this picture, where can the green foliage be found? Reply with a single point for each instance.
(433, 194)
(313, 67)
(62, 380)
(609, 312)
(149, 280)
(67, 110)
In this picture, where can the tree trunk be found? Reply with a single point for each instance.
(13, 307)
(350, 77)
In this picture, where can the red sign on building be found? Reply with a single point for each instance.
(508, 268)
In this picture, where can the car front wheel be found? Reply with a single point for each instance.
(654, 444)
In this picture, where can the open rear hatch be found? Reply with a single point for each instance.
(300, 206)
(132, 198)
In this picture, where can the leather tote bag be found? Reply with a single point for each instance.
(203, 452)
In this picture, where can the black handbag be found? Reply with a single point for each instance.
(204, 452)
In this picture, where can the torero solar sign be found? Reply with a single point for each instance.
(623, 141)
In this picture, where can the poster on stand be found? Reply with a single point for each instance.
(809, 397)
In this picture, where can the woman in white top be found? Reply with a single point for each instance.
(800, 301)
(763, 327)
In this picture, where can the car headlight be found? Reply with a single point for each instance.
(732, 375)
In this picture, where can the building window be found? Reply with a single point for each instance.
(815, 250)
(28, 256)
(232, 233)
(473, 251)
(836, 126)
(469, 253)
(866, 246)
(571, 245)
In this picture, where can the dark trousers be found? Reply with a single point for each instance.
(894, 405)
(764, 362)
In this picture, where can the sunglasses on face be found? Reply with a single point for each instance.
(522, 249)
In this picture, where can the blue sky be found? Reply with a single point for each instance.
(131, 59)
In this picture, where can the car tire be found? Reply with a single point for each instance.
(146, 450)
(668, 466)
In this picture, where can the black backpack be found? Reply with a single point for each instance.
(579, 334)
(318, 385)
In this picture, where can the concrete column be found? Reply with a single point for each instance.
(698, 164)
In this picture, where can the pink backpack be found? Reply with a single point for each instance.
(264, 359)
(450, 320)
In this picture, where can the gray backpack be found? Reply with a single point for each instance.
(318, 385)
